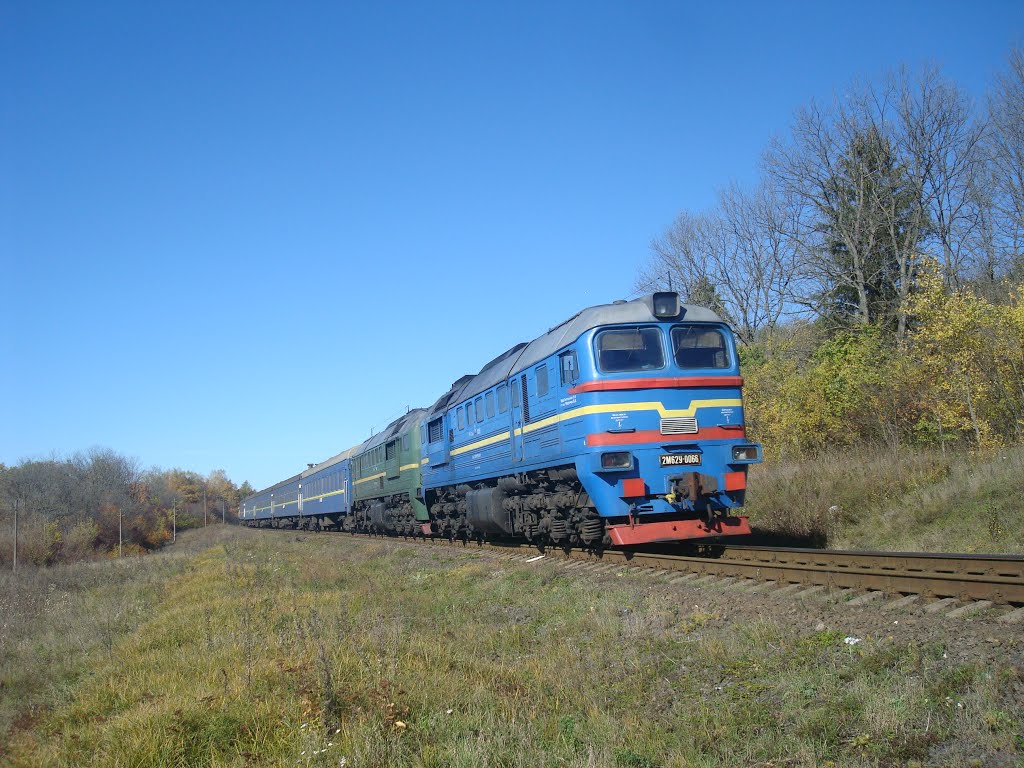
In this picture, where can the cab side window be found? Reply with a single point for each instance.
(569, 367)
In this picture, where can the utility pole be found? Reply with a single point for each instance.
(174, 523)
(15, 535)
(119, 531)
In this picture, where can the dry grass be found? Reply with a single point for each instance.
(908, 501)
(269, 649)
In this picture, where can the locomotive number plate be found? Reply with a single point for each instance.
(680, 459)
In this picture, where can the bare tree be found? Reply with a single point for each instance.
(682, 259)
(736, 259)
(887, 173)
(1005, 154)
(835, 170)
(938, 140)
(757, 266)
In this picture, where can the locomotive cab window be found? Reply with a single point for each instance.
(542, 380)
(570, 369)
(502, 398)
(695, 346)
(630, 349)
(462, 418)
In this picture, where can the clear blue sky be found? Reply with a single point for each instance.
(192, 193)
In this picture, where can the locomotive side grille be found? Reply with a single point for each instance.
(680, 425)
(526, 402)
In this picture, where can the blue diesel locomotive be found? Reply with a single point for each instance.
(621, 426)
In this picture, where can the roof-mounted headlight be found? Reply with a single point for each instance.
(666, 304)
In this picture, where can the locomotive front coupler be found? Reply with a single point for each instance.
(692, 485)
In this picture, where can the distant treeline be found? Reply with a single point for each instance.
(874, 275)
(84, 506)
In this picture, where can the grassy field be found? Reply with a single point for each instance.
(244, 648)
(912, 501)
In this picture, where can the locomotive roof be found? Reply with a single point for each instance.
(522, 356)
(396, 427)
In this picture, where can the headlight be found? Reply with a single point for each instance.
(666, 304)
(617, 460)
(744, 453)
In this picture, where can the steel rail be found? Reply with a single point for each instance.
(998, 578)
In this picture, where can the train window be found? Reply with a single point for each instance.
(502, 398)
(570, 370)
(696, 346)
(435, 430)
(630, 349)
(479, 403)
(462, 418)
(405, 442)
(542, 380)
(489, 401)
(515, 392)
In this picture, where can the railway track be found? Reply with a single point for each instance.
(982, 579)
(996, 578)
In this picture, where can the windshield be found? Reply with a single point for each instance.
(630, 349)
(696, 346)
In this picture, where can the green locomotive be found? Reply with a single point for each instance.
(386, 480)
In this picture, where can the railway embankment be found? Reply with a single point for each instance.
(240, 647)
(897, 499)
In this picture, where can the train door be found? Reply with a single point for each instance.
(540, 432)
(437, 442)
(346, 487)
(516, 411)
(391, 459)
